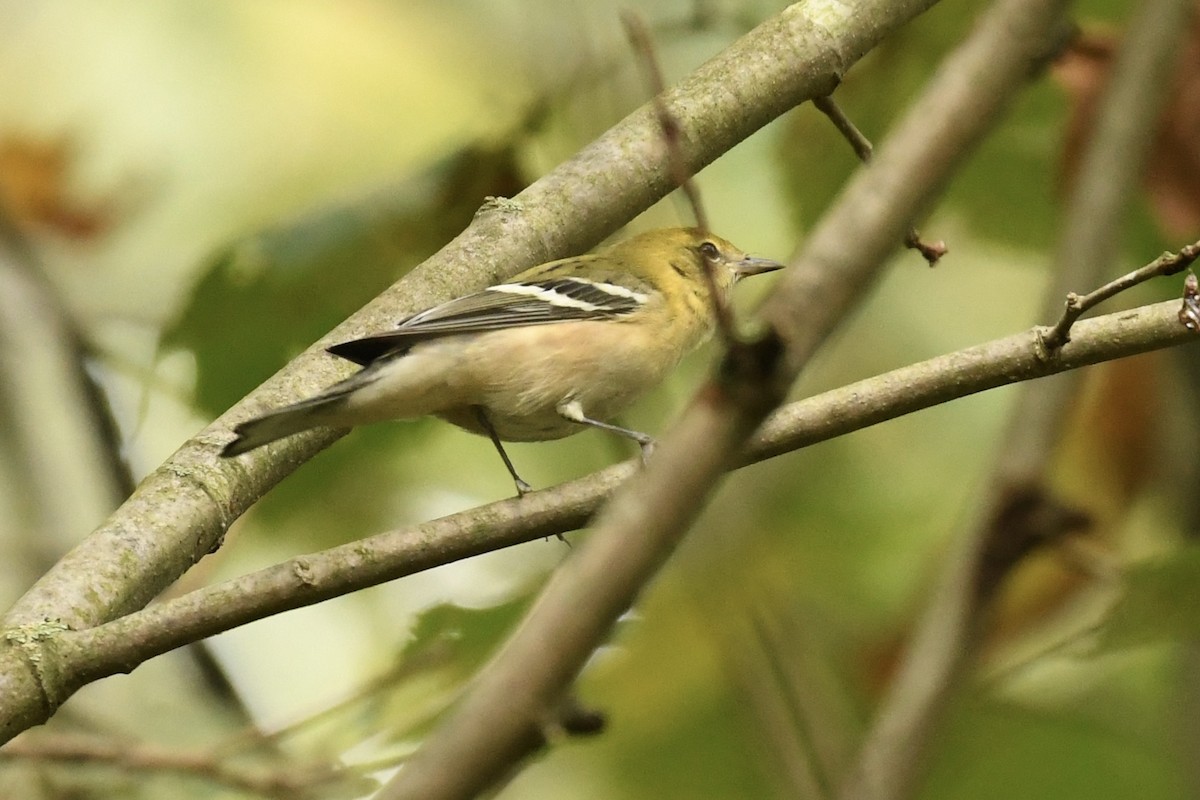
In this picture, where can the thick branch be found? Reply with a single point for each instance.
(312, 578)
(181, 511)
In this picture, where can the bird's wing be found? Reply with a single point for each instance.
(506, 305)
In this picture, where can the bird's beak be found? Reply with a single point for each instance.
(753, 266)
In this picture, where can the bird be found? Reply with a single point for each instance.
(559, 348)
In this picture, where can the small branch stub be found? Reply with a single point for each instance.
(932, 252)
(1189, 313)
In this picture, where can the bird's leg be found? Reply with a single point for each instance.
(486, 424)
(573, 410)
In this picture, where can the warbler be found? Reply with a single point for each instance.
(558, 348)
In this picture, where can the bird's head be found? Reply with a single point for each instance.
(688, 253)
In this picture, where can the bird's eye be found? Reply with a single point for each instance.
(709, 251)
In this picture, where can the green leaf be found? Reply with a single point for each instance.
(1160, 602)
(263, 299)
(470, 634)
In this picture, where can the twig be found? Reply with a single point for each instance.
(754, 667)
(279, 781)
(252, 737)
(643, 46)
(850, 132)
(639, 38)
(932, 252)
(1167, 264)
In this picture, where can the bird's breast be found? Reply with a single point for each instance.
(525, 374)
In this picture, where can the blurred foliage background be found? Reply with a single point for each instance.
(206, 188)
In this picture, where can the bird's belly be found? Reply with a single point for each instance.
(544, 368)
(525, 427)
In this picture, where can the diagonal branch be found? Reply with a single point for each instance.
(499, 720)
(568, 210)
(305, 580)
(70, 442)
(932, 252)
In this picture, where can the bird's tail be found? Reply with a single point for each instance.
(281, 422)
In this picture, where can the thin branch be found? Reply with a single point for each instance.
(643, 46)
(253, 737)
(282, 781)
(932, 252)
(1076, 305)
(70, 441)
(752, 656)
(849, 131)
(315, 577)
(639, 38)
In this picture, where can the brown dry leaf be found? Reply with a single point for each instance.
(1035, 594)
(1172, 175)
(1117, 430)
(34, 191)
